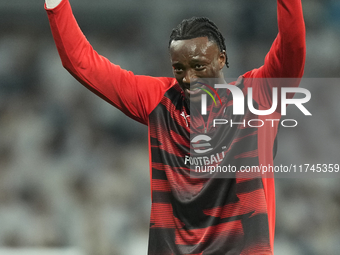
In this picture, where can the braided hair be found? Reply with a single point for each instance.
(199, 27)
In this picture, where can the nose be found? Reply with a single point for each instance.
(189, 77)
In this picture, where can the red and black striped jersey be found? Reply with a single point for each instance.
(207, 215)
(228, 212)
(196, 215)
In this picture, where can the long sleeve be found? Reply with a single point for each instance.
(286, 58)
(135, 95)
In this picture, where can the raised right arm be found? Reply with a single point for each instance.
(135, 95)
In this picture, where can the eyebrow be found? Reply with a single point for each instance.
(200, 60)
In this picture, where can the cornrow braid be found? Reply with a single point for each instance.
(199, 27)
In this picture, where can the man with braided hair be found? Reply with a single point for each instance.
(194, 215)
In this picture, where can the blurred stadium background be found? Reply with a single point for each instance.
(74, 177)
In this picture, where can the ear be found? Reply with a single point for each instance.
(222, 59)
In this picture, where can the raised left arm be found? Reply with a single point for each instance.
(286, 58)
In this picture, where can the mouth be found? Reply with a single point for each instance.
(193, 91)
(195, 88)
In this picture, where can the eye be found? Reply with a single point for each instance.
(177, 70)
(199, 67)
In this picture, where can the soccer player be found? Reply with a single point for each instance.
(207, 216)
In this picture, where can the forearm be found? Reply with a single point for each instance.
(291, 40)
(74, 49)
(286, 58)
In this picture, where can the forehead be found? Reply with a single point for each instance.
(200, 47)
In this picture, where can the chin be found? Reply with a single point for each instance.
(194, 99)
